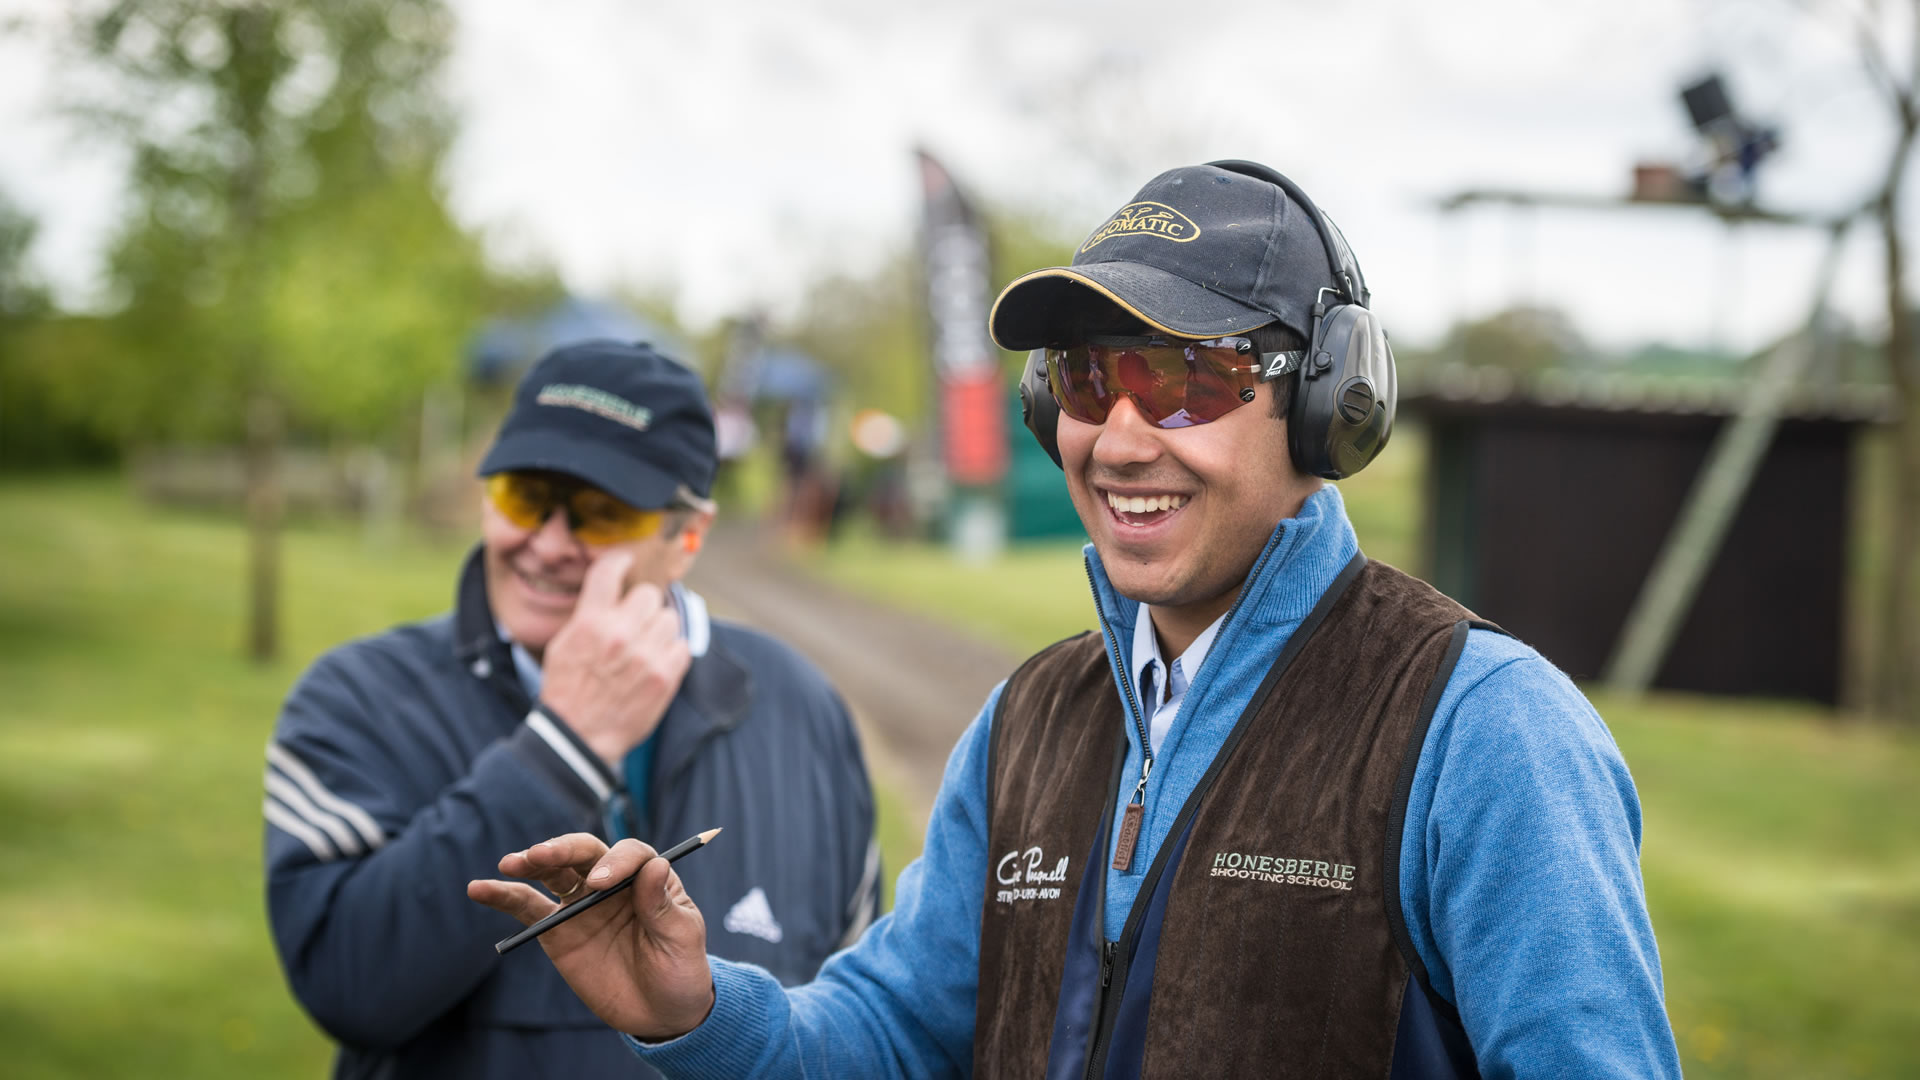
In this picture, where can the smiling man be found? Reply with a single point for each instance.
(1287, 811)
(577, 686)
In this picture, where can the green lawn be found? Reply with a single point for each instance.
(1781, 848)
(133, 938)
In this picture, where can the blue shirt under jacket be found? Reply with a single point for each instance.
(1520, 874)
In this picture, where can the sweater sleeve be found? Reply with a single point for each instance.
(899, 1003)
(1520, 876)
(366, 861)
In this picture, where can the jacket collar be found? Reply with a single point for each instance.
(1301, 559)
(476, 642)
(713, 698)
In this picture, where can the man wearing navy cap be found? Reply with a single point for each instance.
(578, 686)
(1285, 812)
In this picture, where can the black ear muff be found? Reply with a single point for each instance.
(1344, 401)
(1345, 392)
(1038, 410)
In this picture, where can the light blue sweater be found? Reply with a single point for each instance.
(1520, 873)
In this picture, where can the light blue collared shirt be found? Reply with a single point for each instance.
(1168, 690)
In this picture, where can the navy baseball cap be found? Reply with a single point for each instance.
(1202, 251)
(621, 417)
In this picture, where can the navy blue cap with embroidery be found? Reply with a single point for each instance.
(619, 416)
(1201, 251)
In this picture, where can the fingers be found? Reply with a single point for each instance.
(565, 885)
(620, 861)
(656, 624)
(576, 852)
(643, 602)
(521, 901)
(605, 580)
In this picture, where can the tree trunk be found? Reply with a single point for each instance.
(1899, 661)
(264, 503)
(250, 31)
(1900, 646)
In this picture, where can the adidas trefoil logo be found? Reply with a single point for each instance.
(753, 915)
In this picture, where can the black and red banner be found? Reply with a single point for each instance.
(972, 395)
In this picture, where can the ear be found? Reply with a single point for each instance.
(694, 534)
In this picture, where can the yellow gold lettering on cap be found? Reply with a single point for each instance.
(1148, 218)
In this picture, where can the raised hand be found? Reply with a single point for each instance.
(638, 961)
(612, 670)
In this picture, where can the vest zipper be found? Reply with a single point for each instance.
(1121, 951)
(1136, 802)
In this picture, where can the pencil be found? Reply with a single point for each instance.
(528, 933)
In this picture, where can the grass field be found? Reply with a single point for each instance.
(133, 938)
(1781, 850)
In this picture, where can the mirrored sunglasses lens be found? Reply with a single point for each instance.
(1078, 384)
(1214, 383)
(1179, 386)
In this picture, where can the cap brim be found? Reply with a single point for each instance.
(633, 482)
(1038, 309)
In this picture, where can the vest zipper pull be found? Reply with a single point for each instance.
(1108, 950)
(1130, 820)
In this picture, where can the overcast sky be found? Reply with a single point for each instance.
(728, 152)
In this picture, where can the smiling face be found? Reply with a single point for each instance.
(1179, 516)
(534, 575)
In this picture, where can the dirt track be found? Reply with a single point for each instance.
(913, 683)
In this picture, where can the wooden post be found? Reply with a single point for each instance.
(1689, 550)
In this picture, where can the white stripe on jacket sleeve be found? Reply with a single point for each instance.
(279, 787)
(288, 821)
(284, 760)
(570, 754)
(866, 898)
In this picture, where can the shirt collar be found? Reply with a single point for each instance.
(1146, 652)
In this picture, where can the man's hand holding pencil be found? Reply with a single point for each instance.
(639, 961)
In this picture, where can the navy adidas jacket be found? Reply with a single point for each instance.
(408, 763)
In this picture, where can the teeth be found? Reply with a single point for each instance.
(1145, 504)
(546, 585)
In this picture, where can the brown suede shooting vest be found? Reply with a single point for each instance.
(1282, 951)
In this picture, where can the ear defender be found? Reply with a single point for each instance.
(1038, 410)
(691, 542)
(1345, 393)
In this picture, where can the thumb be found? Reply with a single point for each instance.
(665, 909)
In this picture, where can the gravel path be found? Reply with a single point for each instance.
(913, 683)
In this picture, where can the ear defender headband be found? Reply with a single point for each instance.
(1344, 392)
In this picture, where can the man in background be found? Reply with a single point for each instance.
(577, 686)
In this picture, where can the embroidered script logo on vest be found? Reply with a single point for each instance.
(1277, 871)
(1022, 878)
(1151, 218)
(598, 402)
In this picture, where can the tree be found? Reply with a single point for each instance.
(1523, 340)
(1882, 35)
(287, 262)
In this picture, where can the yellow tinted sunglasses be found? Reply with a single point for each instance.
(529, 499)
